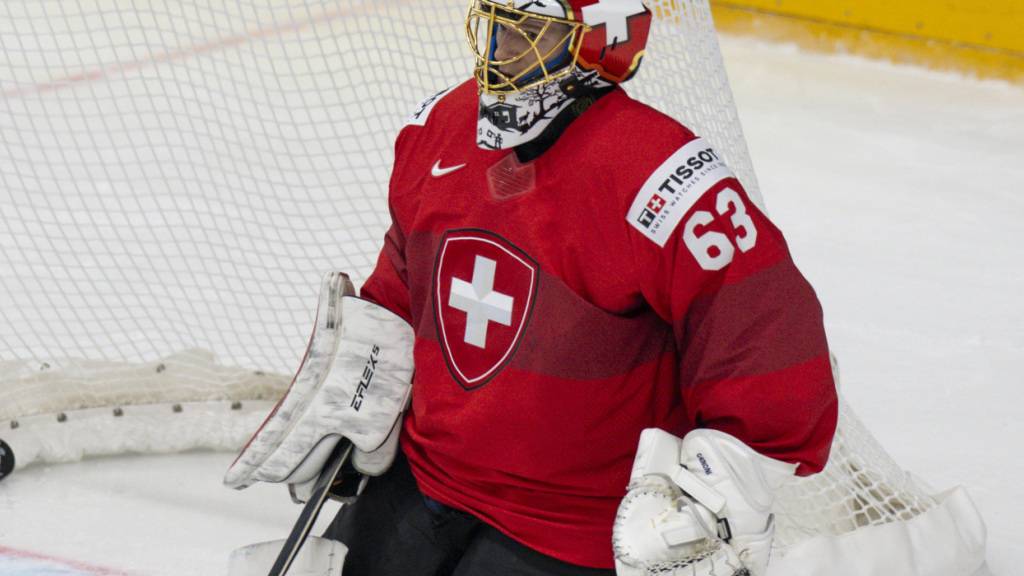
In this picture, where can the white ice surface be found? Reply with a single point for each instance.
(901, 193)
(140, 515)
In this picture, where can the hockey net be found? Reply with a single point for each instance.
(175, 177)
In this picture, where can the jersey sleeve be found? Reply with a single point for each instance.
(388, 283)
(747, 324)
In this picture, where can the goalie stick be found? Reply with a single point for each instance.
(321, 490)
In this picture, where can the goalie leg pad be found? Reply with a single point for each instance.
(318, 557)
(355, 382)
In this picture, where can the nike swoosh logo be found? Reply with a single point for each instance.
(437, 171)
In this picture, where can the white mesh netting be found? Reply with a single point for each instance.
(176, 176)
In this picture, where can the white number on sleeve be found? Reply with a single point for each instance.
(740, 220)
(714, 250)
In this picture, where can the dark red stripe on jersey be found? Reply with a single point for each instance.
(789, 415)
(572, 338)
(568, 337)
(761, 324)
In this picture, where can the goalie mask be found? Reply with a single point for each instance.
(534, 57)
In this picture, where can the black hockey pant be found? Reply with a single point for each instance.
(394, 530)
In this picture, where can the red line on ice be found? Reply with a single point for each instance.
(85, 567)
(119, 68)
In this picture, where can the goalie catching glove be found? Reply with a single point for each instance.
(702, 503)
(354, 383)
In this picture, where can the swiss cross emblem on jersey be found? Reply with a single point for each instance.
(484, 291)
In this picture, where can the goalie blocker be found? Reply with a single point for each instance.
(354, 383)
(352, 387)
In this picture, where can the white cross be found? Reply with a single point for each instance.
(614, 14)
(480, 302)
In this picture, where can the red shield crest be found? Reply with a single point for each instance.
(484, 291)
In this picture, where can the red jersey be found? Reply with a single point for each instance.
(634, 286)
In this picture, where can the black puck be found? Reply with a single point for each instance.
(6, 460)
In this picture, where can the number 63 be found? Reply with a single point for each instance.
(714, 250)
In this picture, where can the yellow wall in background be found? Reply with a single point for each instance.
(980, 37)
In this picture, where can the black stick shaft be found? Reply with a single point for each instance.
(311, 510)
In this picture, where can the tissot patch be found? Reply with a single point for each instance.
(674, 188)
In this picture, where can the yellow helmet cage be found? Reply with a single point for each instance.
(542, 39)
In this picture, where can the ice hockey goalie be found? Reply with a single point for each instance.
(617, 362)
